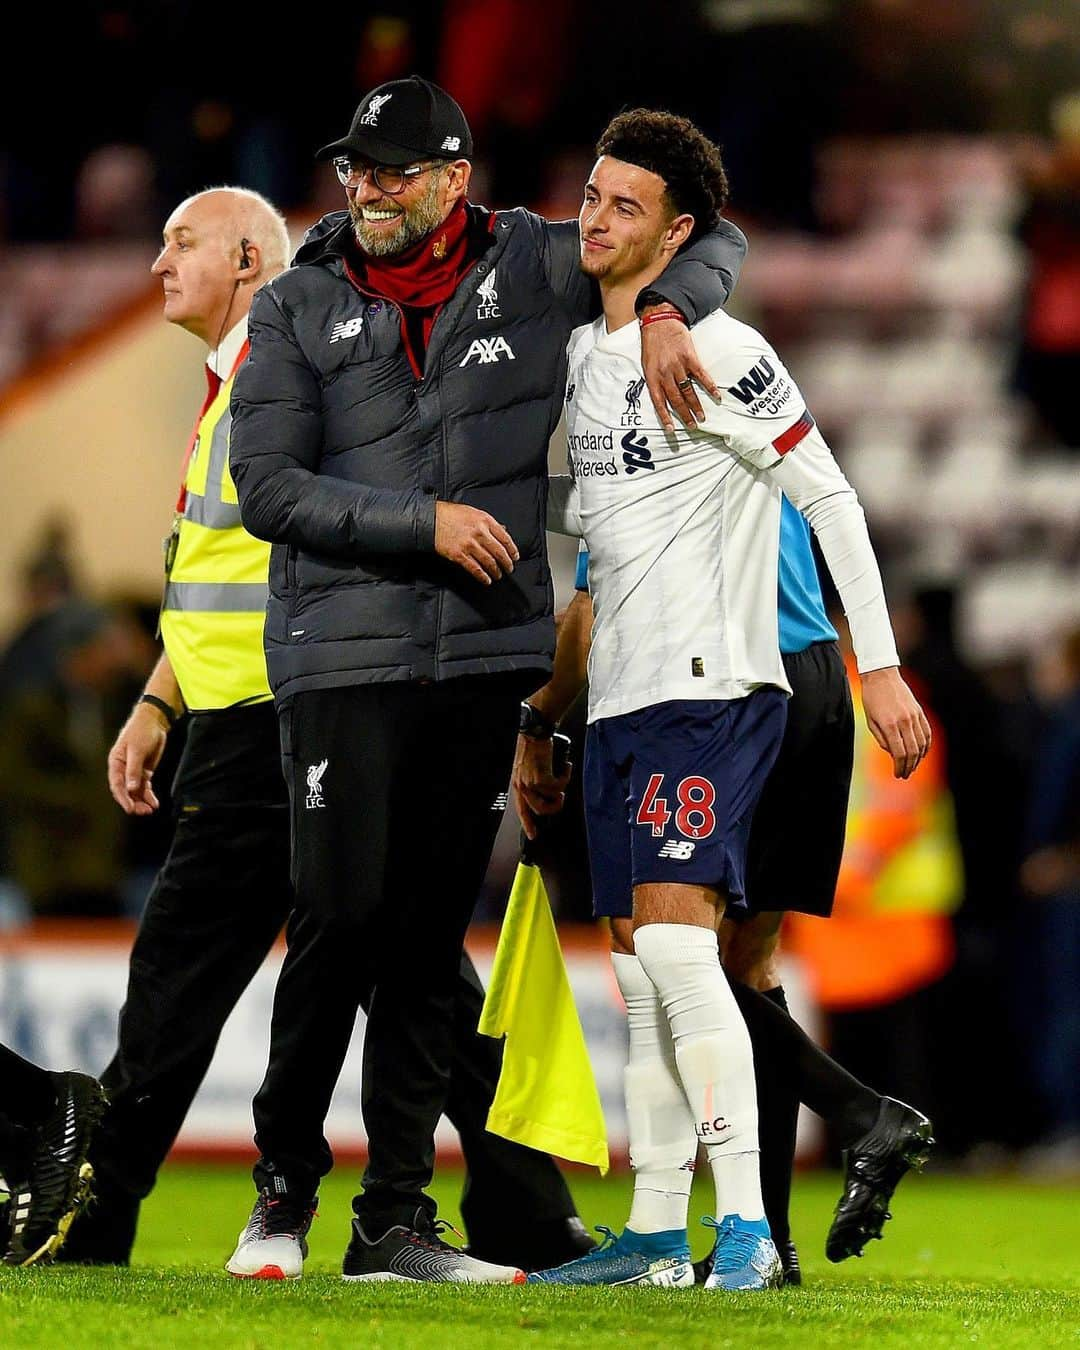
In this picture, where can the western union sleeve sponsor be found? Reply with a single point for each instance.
(215, 593)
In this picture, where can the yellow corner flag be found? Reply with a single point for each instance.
(547, 1096)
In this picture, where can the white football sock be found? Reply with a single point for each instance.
(713, 1055)
(663, 1145)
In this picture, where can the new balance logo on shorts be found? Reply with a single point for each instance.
(680, 849)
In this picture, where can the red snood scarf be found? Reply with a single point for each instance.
(421, 279)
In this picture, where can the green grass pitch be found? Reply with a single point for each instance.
(994, 1264)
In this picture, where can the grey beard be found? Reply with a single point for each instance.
(416, 221)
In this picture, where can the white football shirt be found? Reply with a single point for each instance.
(682, 527)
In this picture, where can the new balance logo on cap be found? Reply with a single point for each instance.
(346, 329)
(487, 351)
(452, 143)
(680, 849)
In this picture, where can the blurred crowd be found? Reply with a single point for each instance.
(163, 99)
(68, 676)
(977, 1007)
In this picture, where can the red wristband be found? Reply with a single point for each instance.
(666, 314)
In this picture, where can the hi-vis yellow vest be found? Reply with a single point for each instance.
(214, 605)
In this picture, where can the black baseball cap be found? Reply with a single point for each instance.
(405, 120)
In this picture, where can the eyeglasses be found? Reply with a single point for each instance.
(387, 178)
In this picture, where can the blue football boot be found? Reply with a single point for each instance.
(744, 1256)
(632, 1258)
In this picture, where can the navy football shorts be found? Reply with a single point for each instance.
(670, 791)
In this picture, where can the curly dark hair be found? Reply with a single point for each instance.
(674, 149)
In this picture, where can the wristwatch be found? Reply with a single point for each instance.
(534, 724)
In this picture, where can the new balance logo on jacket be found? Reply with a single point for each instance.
(346, 329)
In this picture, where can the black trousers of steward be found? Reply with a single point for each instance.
(397, 792)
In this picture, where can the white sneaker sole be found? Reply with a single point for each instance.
(267, 1272)
(276, 1257)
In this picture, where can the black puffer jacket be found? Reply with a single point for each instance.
(339, 452)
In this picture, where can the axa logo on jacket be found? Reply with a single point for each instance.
(487, 351)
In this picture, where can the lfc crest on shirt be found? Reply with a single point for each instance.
(632, 416)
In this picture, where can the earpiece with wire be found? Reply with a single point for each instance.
(245, 263)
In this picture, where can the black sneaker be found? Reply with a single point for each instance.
(274, 1246)
(789, 1264)
(58, 1187)
(533, 1246)
(901, 1138)
(419, 1253)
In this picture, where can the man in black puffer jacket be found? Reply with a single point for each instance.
(390, 433)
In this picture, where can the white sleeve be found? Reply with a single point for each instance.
(563, 505)
(760, 413)
(813, 482)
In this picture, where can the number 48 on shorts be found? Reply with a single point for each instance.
(694, 800)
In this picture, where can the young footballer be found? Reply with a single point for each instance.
(687, 690)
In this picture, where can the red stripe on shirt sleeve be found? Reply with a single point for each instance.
(794, 434)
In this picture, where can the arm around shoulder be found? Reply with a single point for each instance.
(701, 276)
